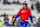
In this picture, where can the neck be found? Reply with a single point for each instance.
(24, 7)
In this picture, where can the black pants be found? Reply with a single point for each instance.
(13, 23)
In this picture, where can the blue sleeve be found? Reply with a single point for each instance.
(31, 19)
(17, 16)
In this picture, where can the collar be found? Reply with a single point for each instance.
(25, 8)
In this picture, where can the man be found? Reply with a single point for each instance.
(24, 14)
(6, 20)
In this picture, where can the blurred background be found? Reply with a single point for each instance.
(9, 9)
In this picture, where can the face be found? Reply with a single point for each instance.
(6, 17)
(24, 6)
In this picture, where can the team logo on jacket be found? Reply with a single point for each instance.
(23, 11)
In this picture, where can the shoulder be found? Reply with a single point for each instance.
(29, 10)
(21, 8)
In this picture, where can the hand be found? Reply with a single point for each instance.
(31, 24)
(16, 20)
(13, 19)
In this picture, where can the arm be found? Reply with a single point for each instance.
(17, 16)
(30, 15)
(31, 19)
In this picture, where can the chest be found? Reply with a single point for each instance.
(6, 20)
(24, 11)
